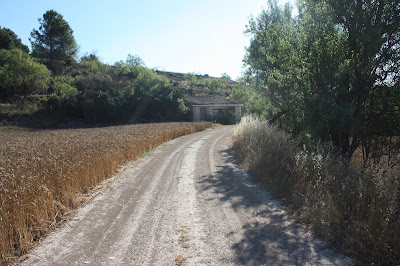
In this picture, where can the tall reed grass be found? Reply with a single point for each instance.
(42, 172)
(357, 210)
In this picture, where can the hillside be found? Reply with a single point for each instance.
(194, 84)
(91, 93)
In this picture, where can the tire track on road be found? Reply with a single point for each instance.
(187, 209)
(187, 202)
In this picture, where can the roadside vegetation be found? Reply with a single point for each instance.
(45, 174)
(53, 84)
(323, 85)
(329, 74)
(356, 209)
(201, 85)
(323, 90)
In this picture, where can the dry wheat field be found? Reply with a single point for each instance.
(43, 172)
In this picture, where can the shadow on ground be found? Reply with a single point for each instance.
(269, 235)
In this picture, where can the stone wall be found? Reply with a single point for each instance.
(196, 113)
(238, 113)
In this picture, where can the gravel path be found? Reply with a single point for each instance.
(185, 203)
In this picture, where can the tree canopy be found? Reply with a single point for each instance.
(20, 75)
(215, 85)
(89, 89)
(331, 73)
(9, 40)
(54, 41)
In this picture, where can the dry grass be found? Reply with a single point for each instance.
(180, 260)
(183, 237)
(266, 151)
(357, 210)
(42, 173)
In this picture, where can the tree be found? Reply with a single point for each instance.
(64, 94)
(166, 104)
(274, 65)
(98, 98)
(54, 41)
(20, 75)
(215, 85)
(155, 98)
(328, 72)
(254, 102)
(90, 57)
(226, 77)
(192, 80)
(93, 64)
(9, 40)
(372, 60)
(121, 68)
(133, 61)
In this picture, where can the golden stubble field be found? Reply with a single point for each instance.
(43, 172)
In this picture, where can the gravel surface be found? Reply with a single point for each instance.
(186, 203)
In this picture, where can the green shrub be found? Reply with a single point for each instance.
(64, 96)
(20, 75)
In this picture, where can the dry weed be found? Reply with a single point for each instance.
(180, 260)
(356, 209)
(44, 173)
(183, 237)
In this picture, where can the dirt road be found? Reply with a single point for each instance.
(185, 203)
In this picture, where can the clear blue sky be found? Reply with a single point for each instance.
(201, 36)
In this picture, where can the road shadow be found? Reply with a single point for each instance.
(269, 235)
